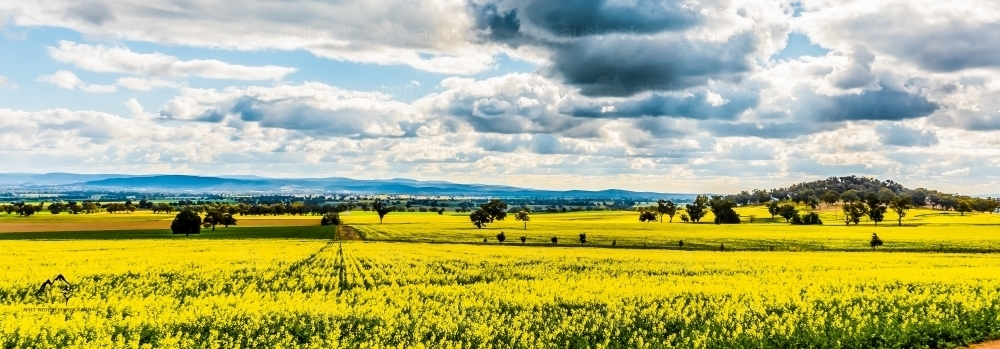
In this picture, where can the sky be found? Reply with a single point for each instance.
(667, 96)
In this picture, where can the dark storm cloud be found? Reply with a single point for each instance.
(903, 136)
(599, 17)
(596, 40)
(582, 18)
(664, 64)
(884, 104)
(502, 26)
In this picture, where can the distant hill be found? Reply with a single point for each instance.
(52, 178)
(252, 184)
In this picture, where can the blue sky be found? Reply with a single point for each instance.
(714, 95)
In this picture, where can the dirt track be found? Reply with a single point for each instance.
(348, 233)
(142, 225)
(987, 345)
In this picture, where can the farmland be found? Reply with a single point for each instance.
(315, 293)
(429, 280)
(922, 230)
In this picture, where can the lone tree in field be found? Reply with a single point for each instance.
(554, 240)
(773, 208)
(523, 216)
(379, 207)
(853, 211)
(900, 205)
(213, 218)
(963, 207)
(787, 212)
(875, 241)
(496, 210)
(501, 237)
(523, 239)
(228, 219)
(647, 216)
(876, 208)
(583, 238)
(479, 218)
(187, 222)
(696, 209)
(724, 210)
(332, 218)
(666, 207)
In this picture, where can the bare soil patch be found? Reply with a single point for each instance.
(348, 233)
(986, 345)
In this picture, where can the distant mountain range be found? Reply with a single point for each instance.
(253, 184)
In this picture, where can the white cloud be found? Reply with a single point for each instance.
(141, 84)
(67, 80)
(428, 35)
(119, 59)
(5, 83)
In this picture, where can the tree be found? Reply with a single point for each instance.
(684, 217)
(379, 207)
(501, 237)
(554, 240)
(523, 239)
(811, 218)
(647, 216)
(885, 195)
(583, 238)
(876, 208)
(963, 207)
(666, 207)
(850, 196)
(523, 216)
(187, 222)
(853, 211)
(696, 209)
(26, 210)
(332, 218)
(56, 207)
(900, 205)
(875, 241)
(724, 211)
(496, 209)
(479, 218)
(773, 208)
(228, 219)
(213, 218)
(787, 212)
(830, 197)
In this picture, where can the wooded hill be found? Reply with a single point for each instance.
(854, 188)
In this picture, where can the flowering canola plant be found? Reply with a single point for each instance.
(322, 294)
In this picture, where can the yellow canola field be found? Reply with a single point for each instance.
(922, 230)
(320, 294)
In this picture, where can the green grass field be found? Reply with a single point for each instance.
(220, 233)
